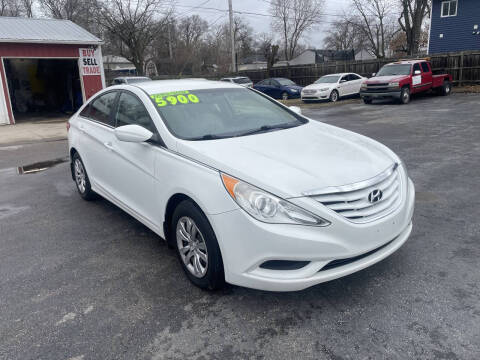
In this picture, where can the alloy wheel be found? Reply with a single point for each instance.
(192, 247)
(80, 178)
(284, 96)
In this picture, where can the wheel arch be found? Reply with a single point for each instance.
(172, 204)
(72, 152)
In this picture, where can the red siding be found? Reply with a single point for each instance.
(91, 83)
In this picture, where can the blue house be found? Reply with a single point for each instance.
(455, 26)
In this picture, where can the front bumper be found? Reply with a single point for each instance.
(246, 244)
(380, 95)
(319, 95)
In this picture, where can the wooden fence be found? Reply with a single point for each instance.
(463, 66)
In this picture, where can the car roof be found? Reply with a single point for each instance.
(407, 62)
(132, 77)
(338, 74)
(162, 86)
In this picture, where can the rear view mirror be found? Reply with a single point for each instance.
(374, 74)
(296, 109)
(133, 133)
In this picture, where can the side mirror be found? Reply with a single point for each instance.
(296, 109)
(133, 133)
(417, 72)
(342, 81)
(374, 74)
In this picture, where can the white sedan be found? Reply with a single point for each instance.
(247, 190)
(332, 87)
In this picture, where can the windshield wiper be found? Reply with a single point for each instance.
(266, 128)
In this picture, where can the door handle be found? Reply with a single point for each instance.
(108, 145)
(81, 127)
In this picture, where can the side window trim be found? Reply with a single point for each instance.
(110, 116)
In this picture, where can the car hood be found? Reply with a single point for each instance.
(292, 161)
(386, 79)
(320, 86)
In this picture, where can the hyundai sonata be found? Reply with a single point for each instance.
(247, 190)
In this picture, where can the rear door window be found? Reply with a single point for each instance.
(101, 108)
(425, 67)
(131, 111)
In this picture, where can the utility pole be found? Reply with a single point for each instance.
(232, 36)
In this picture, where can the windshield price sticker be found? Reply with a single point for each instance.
(175, 98)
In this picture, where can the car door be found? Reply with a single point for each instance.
(262, 86)
(276, 89)
(416, 77)
(427, 77)
(97, 127)
(355, 83)
(343, 85)
(133, 164)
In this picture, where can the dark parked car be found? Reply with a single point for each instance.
(279, 88)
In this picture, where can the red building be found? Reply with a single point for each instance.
(48, 68)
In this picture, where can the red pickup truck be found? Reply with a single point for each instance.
(399, 80)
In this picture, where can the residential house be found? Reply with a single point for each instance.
(455, 26)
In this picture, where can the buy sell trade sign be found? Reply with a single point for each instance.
(89, 61)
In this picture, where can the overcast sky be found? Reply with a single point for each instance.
(258, 23)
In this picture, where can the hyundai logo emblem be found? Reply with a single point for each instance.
(375, 196)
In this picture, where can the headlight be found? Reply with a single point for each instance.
(294, 90)
(364, 86)
(266, 207)
(393, 84)
(325, 89)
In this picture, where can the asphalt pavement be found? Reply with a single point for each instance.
(84, 280)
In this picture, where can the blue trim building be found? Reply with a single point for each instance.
(455, 26)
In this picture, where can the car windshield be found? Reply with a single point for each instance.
(400, 69)
(244, 80)
(327, 79)
(221, 113)
(137, 80)
(286, 82)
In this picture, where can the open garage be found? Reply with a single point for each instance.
(48, 69)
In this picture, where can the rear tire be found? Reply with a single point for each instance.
(81, 179)
(197, 247)
(334, 96)
(446, 88)
(405, 95)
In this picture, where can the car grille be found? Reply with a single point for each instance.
(354, 201)
(377, 87)
(309, 91)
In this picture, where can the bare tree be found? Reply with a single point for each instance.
(81, 12)
(10, 8)
(373, 20)
(411, 21)
(342, 36)
(270, 51)
(293, 18)
(133, 25)
(28, 7)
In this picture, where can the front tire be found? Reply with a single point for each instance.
(284, 96)
(405, 95)
(197, 247)
(446, 88)
(334, 96)
(367, 101)
(81, 179)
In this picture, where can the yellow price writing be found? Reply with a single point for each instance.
(174, 98)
